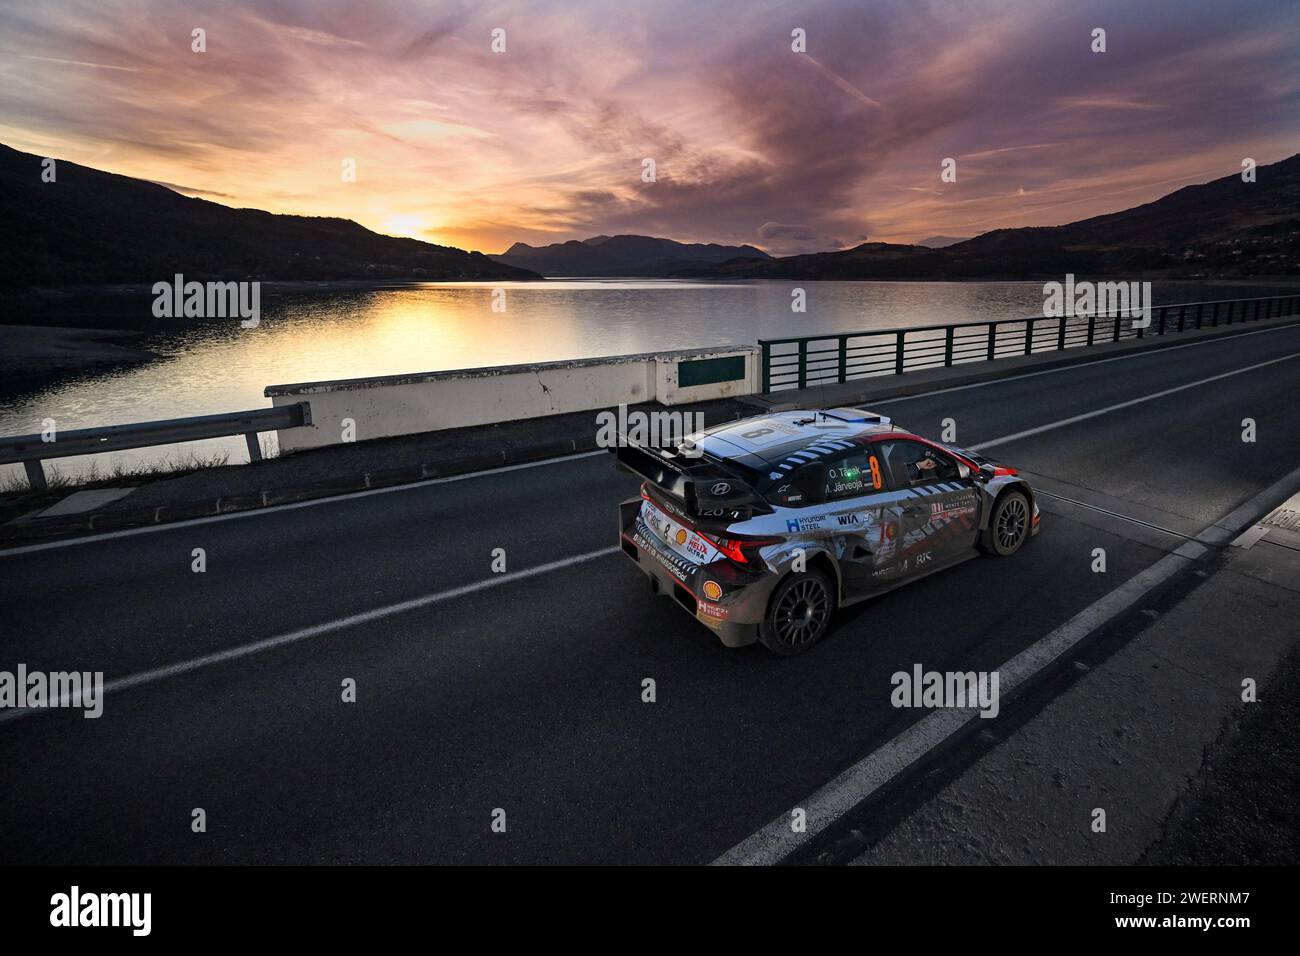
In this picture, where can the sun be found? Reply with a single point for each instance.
(411, 225)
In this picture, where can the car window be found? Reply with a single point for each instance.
(805, 486)
(852, 474)
(913, 463)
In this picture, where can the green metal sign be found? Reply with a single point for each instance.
(710, 371)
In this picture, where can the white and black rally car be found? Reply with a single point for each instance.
(761, 528)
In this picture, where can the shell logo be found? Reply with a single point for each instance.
(681, 536)
(712, 590)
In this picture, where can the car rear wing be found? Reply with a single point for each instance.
(703, 486)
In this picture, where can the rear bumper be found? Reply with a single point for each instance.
(734, 616)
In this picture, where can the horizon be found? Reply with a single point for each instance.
(754, 143)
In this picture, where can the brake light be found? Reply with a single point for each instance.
(742, 550)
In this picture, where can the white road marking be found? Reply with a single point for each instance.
(1052, 426)
(234, 515)
(291, 506)
(338, 624)
(776, 841)
(1074, 365)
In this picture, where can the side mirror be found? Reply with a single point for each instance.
(963, 470)
(986, 473)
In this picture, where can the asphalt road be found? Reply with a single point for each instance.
(523, 692)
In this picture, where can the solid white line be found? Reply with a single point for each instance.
(338, 624)
(777, 840)
(1147, 353)
(1052, 426)
(95, 537)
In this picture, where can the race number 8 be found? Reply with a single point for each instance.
(875, 473)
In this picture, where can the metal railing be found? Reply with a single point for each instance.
(826, 359)
(31, 450)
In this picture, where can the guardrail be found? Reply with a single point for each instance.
(826, 359)
(31, 450)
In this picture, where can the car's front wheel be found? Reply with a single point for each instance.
(1009, 525)
(798, 614)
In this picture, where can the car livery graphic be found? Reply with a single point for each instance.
(762, 527)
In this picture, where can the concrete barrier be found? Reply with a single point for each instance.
(430, 401)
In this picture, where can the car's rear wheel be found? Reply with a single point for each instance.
(1009, 525)
(798, 614)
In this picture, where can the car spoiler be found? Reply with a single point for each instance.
(707, 489)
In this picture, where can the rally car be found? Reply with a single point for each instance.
(761, 528)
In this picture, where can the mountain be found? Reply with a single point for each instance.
(90, 227)
(1221, 229)
(940, 242)
(621, 256)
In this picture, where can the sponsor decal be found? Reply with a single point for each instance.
(681, 536)
(851, 519)
(681, 574)
(720, 488)
(698, 547)
(923, 558)
(810, 523)
(712, 590)
(952, 508)
(707, 612)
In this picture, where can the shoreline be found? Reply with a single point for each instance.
(35, 356)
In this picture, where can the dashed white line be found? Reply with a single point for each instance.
(292, 637)
(1052, 426)
(291, 506)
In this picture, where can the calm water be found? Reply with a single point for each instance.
(331, 333)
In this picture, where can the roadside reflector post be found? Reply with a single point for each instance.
(1092, 327)
(254, 449)
(898, 353)
(35, 475)
(993, 340)
(1029, 336)
(1060, 333)
(803, 363)
(947, 346)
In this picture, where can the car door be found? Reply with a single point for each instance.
(938, 508)
(861, 511)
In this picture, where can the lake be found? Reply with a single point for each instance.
(313, 334)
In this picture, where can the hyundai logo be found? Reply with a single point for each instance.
(721, 488)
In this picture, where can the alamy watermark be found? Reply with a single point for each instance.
(652, 429)
(1069, 299)
(22, 689)
(75, 909)
(208, 300)
(950, 689)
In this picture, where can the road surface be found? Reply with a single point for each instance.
(522, 691)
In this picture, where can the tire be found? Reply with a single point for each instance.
(799, 613)
(1009, 525)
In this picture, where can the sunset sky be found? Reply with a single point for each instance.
(753, 142)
